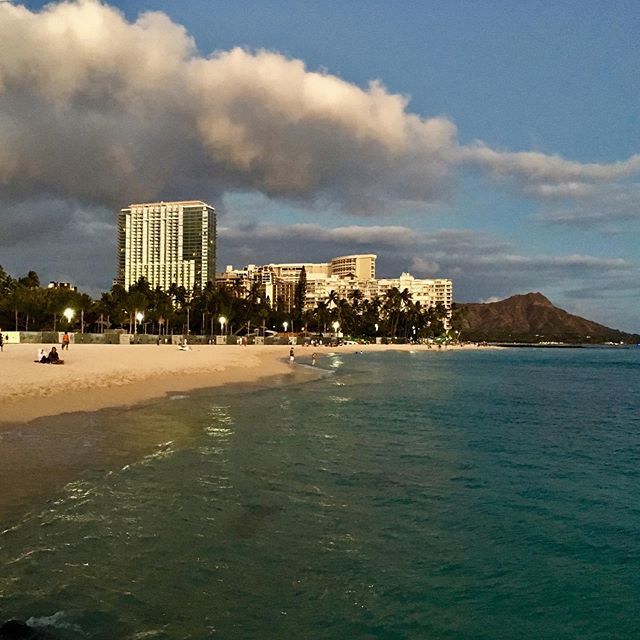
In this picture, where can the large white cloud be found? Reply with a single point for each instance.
(104, 111)
(95, 108)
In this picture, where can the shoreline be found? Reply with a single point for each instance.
(96, 377)
(58, 423)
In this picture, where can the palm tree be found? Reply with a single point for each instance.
(30, 281)
(332, 299)
(322, 315)
(392, 307)
(356, 297)
(134, 302)
(56, 301)
(7, 283)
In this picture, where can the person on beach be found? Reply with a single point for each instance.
(1, 341)
(291, 356)
(54, 357)
(313, 359)
(42, 356)
(65, 341)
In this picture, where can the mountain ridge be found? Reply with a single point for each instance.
(530, 317)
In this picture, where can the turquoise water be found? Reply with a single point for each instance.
(490, 494)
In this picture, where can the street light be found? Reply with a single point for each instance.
(222, 320)
(285, 324)
(336, 326)
(68, 313)
(139, 319)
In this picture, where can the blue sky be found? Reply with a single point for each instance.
(560, 79)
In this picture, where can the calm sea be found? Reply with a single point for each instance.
(467, 495)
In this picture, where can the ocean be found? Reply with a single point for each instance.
(456, 494)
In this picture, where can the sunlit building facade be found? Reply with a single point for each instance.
(167, 243)
(338, 278)
(428, 292)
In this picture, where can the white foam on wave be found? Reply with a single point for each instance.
(57, 620)
(150, 633)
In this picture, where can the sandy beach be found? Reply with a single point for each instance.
(99, 376)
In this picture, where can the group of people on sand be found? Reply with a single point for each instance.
(53, 357)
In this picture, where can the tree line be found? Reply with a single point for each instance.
(25, 305)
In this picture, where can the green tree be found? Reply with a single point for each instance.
(300, 297)
(134, 302)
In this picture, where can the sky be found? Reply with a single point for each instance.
(495, 143)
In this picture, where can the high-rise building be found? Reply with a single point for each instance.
(167, 243)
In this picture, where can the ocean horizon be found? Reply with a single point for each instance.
(454, 494)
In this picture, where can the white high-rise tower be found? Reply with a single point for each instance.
(167, 243)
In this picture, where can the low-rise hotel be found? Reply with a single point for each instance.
(342, 276)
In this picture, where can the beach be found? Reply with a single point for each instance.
(101, 376)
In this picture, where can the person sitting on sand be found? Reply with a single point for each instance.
(41, 357)
(53, 357)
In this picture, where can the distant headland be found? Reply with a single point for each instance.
(530, 318)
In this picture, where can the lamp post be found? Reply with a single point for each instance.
(222, 320)
(68, 313)
(414, 333)
(336, 326)
(285, 324)
(139, 319)
(376, 326)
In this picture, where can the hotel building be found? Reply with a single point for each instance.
(428, 292)
(343, 275)
(167, 243)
